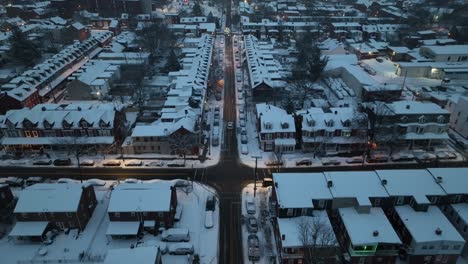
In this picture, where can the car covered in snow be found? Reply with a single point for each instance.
(244, 149)
(252, 224)
(133, 163)
(328, 161)
(304, 162)
(253, 244)
(175, 235)
(111, 163)
(87, 163)
(250, 205)
(180, 249)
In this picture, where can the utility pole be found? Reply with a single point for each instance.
(255, 174)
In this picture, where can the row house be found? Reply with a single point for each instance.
(333, 130)
(48, 75)
(93, 127)
(276, 129)
(46, 206)
(134, 206)
(409, 124)
(266, 75)
(377, 215)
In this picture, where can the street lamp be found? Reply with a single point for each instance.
(255, 174)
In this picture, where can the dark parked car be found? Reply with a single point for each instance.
(42, 162)
(304, 162)
(210, 203)
(175, 165)
(62, 162)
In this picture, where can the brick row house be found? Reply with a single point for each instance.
(409, 124)
(46, 206)
(93, 127)
(377, 216)
(134, 206)
(276, 129)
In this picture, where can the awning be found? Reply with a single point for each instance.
(28, 229)
(285, 142)
(149, 223)
(116, 228)
(57, 140)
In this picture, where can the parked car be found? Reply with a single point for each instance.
(239, 89)
(238, 78)
(180, 249)
(252, 225)
(175, 165)
(253, 244)
(175, 235)
(379, 59)
(377, 158)
(210, 203)
(244, 139)
(240, 96)
(87, 163)
(230, 125)
(250, 205)
(327, 162)
(403, 157)
(14, 181)
(62, 162)
(446, 155)
(355, 160)
(66, 180)
(155, 164)
(111, 163)
(209, 219)
(132, 180)
(272, 163)
(241, 110)
(133, 163)
(33, 180)
(304, 162)
(243, 131)
(242, 123)
(42, 162)
(244, 149)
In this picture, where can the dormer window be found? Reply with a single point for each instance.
(103, 124)
(347, 123)
(422, 119)
(404, 119)
(47, 124)
(284, 125)
(65, 124)
(329, 123)
(84, 123)
(310, 122)
(268, 125)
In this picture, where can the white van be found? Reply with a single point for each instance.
(181, 249)
(175, 235)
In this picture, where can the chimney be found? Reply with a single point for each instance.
(283, 237)
(276, 184)
(438, 231)
(336, 112)
(329, 184)
(384, 181)
(407, 106)
(439, 179)
(375, 233)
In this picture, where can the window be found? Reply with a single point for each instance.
(424, 247)
(377, 202)
(404, 119)
(456, 247)
(289, 212)
(35, 134)
(27, 133)
(420, 130)
(444, 247)
(24, 215)
(132, 214)
(69, 215)
(117, 215)
(269, 136)
(345, 133)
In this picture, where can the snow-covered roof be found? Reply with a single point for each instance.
(448, 49)
(28, 229)
(141, 197)
(452, 180)
(368, 228)
(164, 129)
(117, 228)
(274, 119)
(462, 211)
(49, 197)
(415, 183)
(290, 228)
(297, 190)
(423, 226)
(140, 255)
(356, 184)
(415, 107)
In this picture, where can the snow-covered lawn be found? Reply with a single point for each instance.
(95, 244)
(265, 231)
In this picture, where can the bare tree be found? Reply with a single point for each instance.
(382, 127)
(317, 238)
(182, 143)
